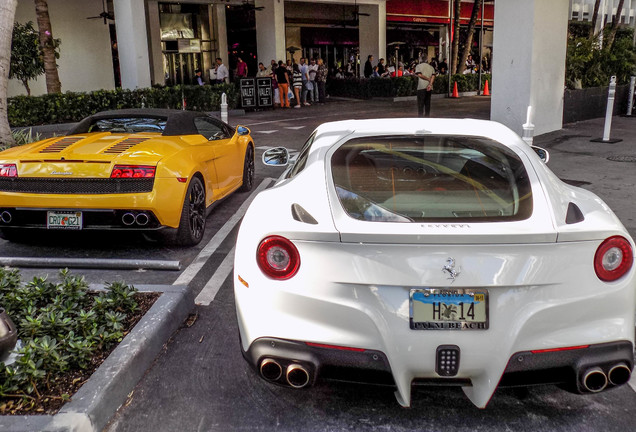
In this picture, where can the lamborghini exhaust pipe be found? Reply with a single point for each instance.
(6, 217)
(619, 374)
(142, 219)
(271, 370)
(128, 219)
(594, 380)
(297, 376)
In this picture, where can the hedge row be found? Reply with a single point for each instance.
(72, 107)
(400, 86)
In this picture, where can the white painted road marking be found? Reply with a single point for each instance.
(209, 291)
(277, 121)
(267, 132)
(191, 271)
(632, 382)
(294, 127)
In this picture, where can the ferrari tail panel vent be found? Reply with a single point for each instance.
(301, 215)
(574, 214)
(60, 145)
(124, 145)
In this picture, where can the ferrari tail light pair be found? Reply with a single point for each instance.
(278, 258)
(613, 258)
(132, 171)
(8, 170)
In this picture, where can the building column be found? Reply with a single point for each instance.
(132, 43)
(220, 32)
(270, 31)
(157, 75)
(372, 32)
(529, 47)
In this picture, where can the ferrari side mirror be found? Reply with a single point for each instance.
(242, 130)
(277, 156)
(543, 154)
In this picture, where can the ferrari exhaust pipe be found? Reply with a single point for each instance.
(297, 376)
(271, 370)
(128, 219)
(619, 374)
(142, 219)
(6, 217)
(594, 380)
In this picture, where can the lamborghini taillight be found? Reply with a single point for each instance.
(8, 170)
(132, 171)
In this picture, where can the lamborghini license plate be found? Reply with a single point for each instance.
(64, 220)
(449, 309)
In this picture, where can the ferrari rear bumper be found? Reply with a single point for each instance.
(584, 369)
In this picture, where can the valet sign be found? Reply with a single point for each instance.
(248, 93)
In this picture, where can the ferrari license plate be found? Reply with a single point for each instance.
(449, 309)
(64, 220)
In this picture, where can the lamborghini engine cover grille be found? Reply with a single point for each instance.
(93, 186)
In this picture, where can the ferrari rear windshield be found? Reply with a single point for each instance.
(431, 178)
(129, 125)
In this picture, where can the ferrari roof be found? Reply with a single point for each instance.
(178, 122)
(420, 126)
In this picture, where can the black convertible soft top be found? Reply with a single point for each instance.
(178, 122)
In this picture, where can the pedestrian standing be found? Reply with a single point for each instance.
(368, 67)
(262, 71)
(297, 83)
(241, 68)
(313, 69)
(426, 77)
(197, 80)
(282, 79)
(321, 80)
(222, 74)
(381, 67)
(304, 74)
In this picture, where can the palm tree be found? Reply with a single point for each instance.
(469, 36)
(456, 21)
(597, 4)
(47, 43)
(7, 14)
(615, 22)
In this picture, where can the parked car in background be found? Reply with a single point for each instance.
(147, 170)
(434, 252)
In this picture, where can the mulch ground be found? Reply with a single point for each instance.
(53, 398)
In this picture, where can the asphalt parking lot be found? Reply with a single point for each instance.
(201, 382)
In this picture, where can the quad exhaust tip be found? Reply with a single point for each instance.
(128, 219)
(142, 219)
(619, 374)
(271, 370)
(6, 217)
(594, 380)
(297, 376)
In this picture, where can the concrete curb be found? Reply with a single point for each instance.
(108, 388)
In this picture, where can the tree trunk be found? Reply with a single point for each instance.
(615, 22)
(469, 37)
(7, 14)
(48, 47)
(456, 21)
(597, 4)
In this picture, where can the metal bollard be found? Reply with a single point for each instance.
(630, 96)
(611, 94)
(224, 107)
(528, 128)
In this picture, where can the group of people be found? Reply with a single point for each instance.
(303, 82)
(220, 74)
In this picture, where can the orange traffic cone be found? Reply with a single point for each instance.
(455, 92)
(486, 91)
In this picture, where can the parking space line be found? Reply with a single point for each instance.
(632, 382)
(191, 271)
(209, 291)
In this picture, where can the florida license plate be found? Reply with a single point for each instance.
(64, 220)
(449, 309)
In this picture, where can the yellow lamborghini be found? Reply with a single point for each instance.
(141, 169)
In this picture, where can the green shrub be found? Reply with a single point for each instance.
(61, 326)
(400, 86)
(73, 106)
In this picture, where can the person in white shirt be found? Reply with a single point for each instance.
(426, 75)
(222, 74)
(313, 69)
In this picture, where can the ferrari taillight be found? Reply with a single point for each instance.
(8, 170)
(132, 171)
(278, 258)
(613, 258)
